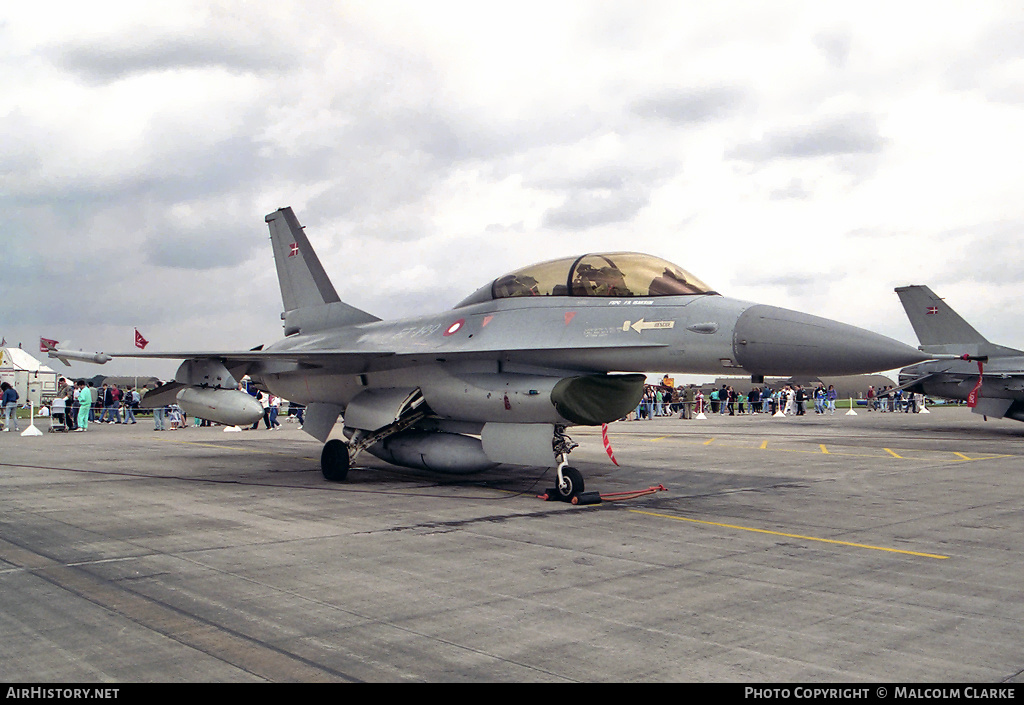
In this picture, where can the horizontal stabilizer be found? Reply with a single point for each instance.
(994, 407)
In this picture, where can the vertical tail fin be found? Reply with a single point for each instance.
(310, 300)
(935, 323)
(940, 329)
(303, 279)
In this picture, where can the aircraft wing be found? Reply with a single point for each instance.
(336, 357)
(254, 355)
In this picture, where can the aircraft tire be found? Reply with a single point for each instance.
(572, 485)
(334, 461)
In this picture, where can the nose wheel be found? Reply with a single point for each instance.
(570, 483)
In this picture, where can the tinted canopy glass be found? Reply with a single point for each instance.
(614, 275)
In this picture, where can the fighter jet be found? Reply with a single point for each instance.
(499, 378)
(989, 377)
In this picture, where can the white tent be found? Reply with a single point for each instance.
(33, 380)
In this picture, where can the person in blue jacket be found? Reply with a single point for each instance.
(9, 401)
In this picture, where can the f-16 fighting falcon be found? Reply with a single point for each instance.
(989, 377)
(500, 377)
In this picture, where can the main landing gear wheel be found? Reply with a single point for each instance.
(571, 484)
(334, 460)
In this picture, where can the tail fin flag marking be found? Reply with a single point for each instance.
(303, 279)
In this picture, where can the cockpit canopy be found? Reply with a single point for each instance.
(614, 275)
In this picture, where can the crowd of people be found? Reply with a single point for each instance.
(660, 400)
(889, 400)
(77, 405)
(665, 399)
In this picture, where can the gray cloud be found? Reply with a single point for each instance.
(794, 189)
(115, 57)
(835, 45)
(991, 67)
(585, 208)
(200, 248)
(804, 285)
(990, 253)
(692, 106)
(834, 136)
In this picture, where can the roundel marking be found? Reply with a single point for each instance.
(455, 327)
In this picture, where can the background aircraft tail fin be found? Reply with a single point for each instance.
(306, 290)
(940, 329)
(935, 323)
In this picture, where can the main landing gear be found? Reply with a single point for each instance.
(337, 455)
(334, 460)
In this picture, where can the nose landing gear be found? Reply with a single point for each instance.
(569, 482)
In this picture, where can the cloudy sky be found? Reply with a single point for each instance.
(802, 154)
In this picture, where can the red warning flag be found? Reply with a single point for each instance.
(140, 342)
(972, 398)
(46, 345)
(607, 443)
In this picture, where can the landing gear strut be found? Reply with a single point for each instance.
(568, 480)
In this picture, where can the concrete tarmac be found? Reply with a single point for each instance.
(876, 547)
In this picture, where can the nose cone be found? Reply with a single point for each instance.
(775, 341)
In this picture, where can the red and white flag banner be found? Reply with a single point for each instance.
(972, 398)
(607, 443)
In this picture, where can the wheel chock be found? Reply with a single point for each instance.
(587, 498)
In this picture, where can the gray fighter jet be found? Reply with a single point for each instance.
(966, 356)
(498, 378)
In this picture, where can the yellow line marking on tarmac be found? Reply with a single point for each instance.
(822, 449)
(790, 536)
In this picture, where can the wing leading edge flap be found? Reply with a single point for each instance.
(327, 354)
